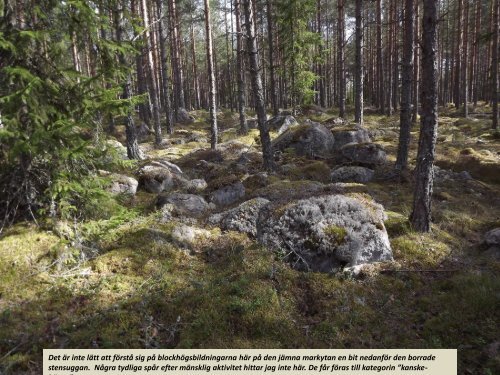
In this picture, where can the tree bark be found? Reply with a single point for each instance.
(272, 73)
(133, 150)
(421, 214)
(358, 74)
(253, 63)
(340, 56)
(240, 70)
(211, 77)
(465, 62)
(407, 76)
(494, 72)
(380, 69)
(458, 57)
(167, 105)
(416, 58)
(150, 76)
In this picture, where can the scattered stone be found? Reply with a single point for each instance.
(196, 137)
(310, 140)
(187, 236)
(178, 204)
(492, 237)
(196, 185)
(242, 218)
(228, 195)
(442, 175)
(346, 136)
(352, 174)
(367, 154)
(326, 233)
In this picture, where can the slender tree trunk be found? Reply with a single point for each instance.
(416, 59)
(421, 213)
(405, 112)
(494, 72)
(176, 58)
(390, 53)
(211, 77)
(272, 72)
(150, 76)
(133, 150)
(458, 57)
(380, 67)
(465, 62)
(358, 75)
(253, 63)
(340, 56)
(196, 84)
(167, 105)
(240, 69)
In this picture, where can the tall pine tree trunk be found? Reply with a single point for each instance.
(494, 72)
(211, 77)
(380, 68)
(421, 214)
(416, 67)
(167, 105)
(465, 62)
(241, 72)
(407, 76)
(150, 76)
(358, 74)
(253, 63)
(133, 150)
(340, 56)
(272, 73)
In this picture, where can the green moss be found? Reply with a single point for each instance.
(335, 233)
(318, 171)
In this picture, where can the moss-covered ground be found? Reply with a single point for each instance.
(129, 285)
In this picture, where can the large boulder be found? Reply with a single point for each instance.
(188, 236)
(310, 140)
(158, 176)
(116, 148)
(367, 154)
(492, 238)
(352, 174)
(326, 233)
(184, 117)
(228, 195)
(344, 136)
(178, 204)
(242, 218)
(281, 123)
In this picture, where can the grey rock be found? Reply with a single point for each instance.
(188, 236)
(119, 183)
(352, 174)
(281, 123)
(196, 185)
(326, 233)
(143, 131)
(308, 140)
(492, 237)
(158, 176)
(368, 154)
(442, 175)
(184, 117)
(117, 148)
(178, 204)
(228, 195)
(356, 135)
(242, 218)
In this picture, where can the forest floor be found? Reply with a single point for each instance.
(137, 288)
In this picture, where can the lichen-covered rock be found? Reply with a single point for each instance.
(117, 148)
(326, 233)
(345, 136)
(368, 154)
(187, 236)
(228, 195)
(158, 176)
(352, 174)
(195, 186)
(442, 175)
(242, 218)
(282, 123)
(310, 140)
(178, 204)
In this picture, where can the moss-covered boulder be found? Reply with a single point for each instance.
(352, 174)
(326, 233)
(310, 140)
(346, 135)
(365, 154)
